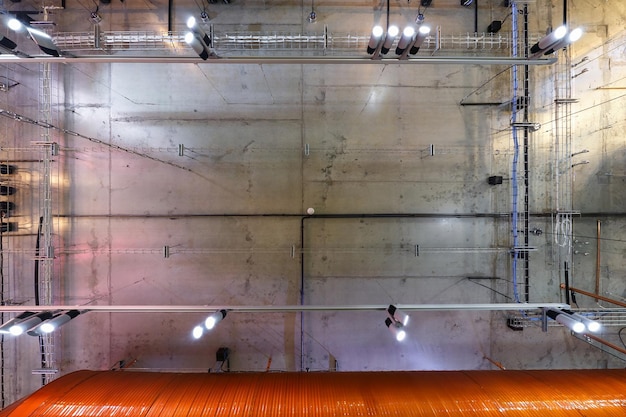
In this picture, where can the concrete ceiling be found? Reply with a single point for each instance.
(219, 164)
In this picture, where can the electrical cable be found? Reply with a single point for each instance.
(619, 335)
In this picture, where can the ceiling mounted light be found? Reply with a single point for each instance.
(566, 320)
(571, 37)
(422, 33)
(396, 328)
(548, 41)
(197, 332)
(4, 328)
(407, 38)
(28, 323)
(466, 3)
(591, 325)
(392, 32)
(192, 24)
(398, 315)
(54, 322)
(214, 318)
(43, 41)
(197, 45)
(377, 34)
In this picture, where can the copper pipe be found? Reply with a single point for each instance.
(598, 260)
(494, 362)
(480, 393)
(597, 296)
(604, 342)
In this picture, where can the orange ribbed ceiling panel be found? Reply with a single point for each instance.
(589, 393)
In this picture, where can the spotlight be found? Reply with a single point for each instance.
(405, 39)
(192, 24)
(392, 32)
(422, 33)
(53, 323)
(15, 24)
(548, 41)
(197, 332)
(204, 16)
(396, 329)
(197, 45)
(397, 315)
(566, 320)
(28, 323)
(214, 318)
(466, 3)
(312, 17)
(43, 41)
(591, 325)
(4, 328)
(573, 36)
(377, 34)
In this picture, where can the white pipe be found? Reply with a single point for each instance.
(112, 59)
(285, 308)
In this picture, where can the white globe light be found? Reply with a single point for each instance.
(47, 327)
(310, 211)
(209, 323)
(401, 335)
(197, 332)
(14, 24)
(377, 31)
(408, 31)
(560, 32)
(593, 326)
(578, 327)
(575, 34)
(393, 31)
(16, 330)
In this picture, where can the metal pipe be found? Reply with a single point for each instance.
(596, 296)
(118, 59)
(606, 343)
(284, 308)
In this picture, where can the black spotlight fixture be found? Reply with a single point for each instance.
(466, 3)
(426, 3)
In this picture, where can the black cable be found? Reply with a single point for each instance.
(37, 244)
(619, 334)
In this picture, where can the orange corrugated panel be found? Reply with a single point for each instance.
(575, 393)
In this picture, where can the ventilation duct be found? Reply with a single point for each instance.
(447, 393)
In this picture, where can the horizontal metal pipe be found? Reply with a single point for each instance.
(596, 296)
(284, 308)
(114, 59)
